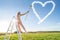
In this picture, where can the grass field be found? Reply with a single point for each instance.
(35, 36)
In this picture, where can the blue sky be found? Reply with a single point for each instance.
(9, 8)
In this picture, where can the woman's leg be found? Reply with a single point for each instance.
(23, 27)
(19, 32)
(19, 27)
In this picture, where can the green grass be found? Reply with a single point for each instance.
(35, 36)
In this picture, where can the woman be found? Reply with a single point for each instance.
(19, 23)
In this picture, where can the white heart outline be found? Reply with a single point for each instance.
(43, 5)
